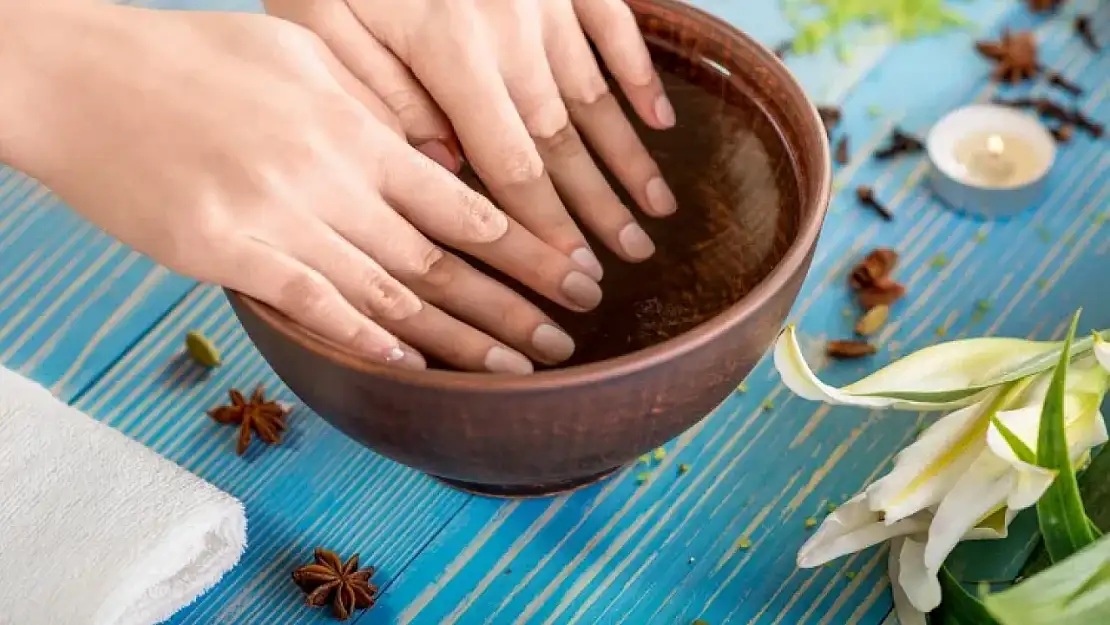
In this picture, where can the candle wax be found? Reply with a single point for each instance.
(998, 159)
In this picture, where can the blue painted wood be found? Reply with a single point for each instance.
(105, 326)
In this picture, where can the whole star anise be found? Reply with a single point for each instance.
(1015, 56)
(1042, 6)
(347, 587)
(265, 418)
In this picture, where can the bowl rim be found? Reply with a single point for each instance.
(626, 364)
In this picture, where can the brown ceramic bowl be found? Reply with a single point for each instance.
(562, 428)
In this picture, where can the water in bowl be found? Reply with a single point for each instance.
(738, 198)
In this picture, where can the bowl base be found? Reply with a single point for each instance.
(527, 491)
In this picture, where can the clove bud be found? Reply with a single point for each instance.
(1086, 32)
(866, 196)
(901, 142)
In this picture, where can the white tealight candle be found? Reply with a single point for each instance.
(997, 159)
(990, 160)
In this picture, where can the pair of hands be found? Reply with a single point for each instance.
(276, 157)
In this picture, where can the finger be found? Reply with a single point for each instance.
(359, 278)
(612, 27)
(597, 114)
(532, 89)
(306, 297)
(442, 206)
(473, 94)
(486, 304)
(436, 333)
(375, 67)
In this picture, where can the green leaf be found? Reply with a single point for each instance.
(1063, 522)
(1094, 489)
(959, 607)
(1074, 591)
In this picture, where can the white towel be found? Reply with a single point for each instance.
(96, 529)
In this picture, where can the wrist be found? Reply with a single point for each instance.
(36, 43)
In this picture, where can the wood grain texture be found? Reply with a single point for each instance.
(106, 327)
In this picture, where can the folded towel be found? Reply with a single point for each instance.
(96, 529)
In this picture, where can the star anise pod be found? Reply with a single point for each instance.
(265, 418)
(1042, 6)
(344, 585)
(1015, 56)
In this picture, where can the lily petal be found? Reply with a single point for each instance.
(990, 483)
(907, 614)
(1102, 351)
(925, 471)
(943, 376)
(917, 581)
(854, 527)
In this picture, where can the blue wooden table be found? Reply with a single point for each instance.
(103, 327)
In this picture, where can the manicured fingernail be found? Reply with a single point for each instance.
(635, 242)
(659, 197)
(411, 359)
(439, 153)
(501, 360)
(588, 262)
(664, 112)
(393, 354)
(553, 343)
(581, 290)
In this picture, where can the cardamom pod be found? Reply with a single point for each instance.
(873, 320)
(202, 350)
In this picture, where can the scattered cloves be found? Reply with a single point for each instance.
(1053, 110)
(831, 117)
(1063, 133)
(875, 268)
(842, 149)
(1057, 80)
(901, 142)
(783, 48)
(866, 197)
(846, 350)
(1086, 32)
(883, 294)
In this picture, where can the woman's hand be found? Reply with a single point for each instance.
(518, 81)
(236, 149)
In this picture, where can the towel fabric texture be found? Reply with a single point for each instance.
(96, 529)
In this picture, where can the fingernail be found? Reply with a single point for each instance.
(587, 261)
(411, 359)
(581, 290)
(439, 153)
(659, 197)
(553, 343)
(664, 112)
(501, 360)
(393, 354)
(635, 242)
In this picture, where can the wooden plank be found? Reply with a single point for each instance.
(318, 488)
(621, 553)
(71, 298)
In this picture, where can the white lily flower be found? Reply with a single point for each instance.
(1102, 351)
(960, 480)
(943, 376)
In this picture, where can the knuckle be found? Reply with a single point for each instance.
(590, 91)
(481, 221)
(565, 143)
(387, 298)
(521, 166)
(546, 119)
(421, 263)
(408, 105)
(306, 295)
